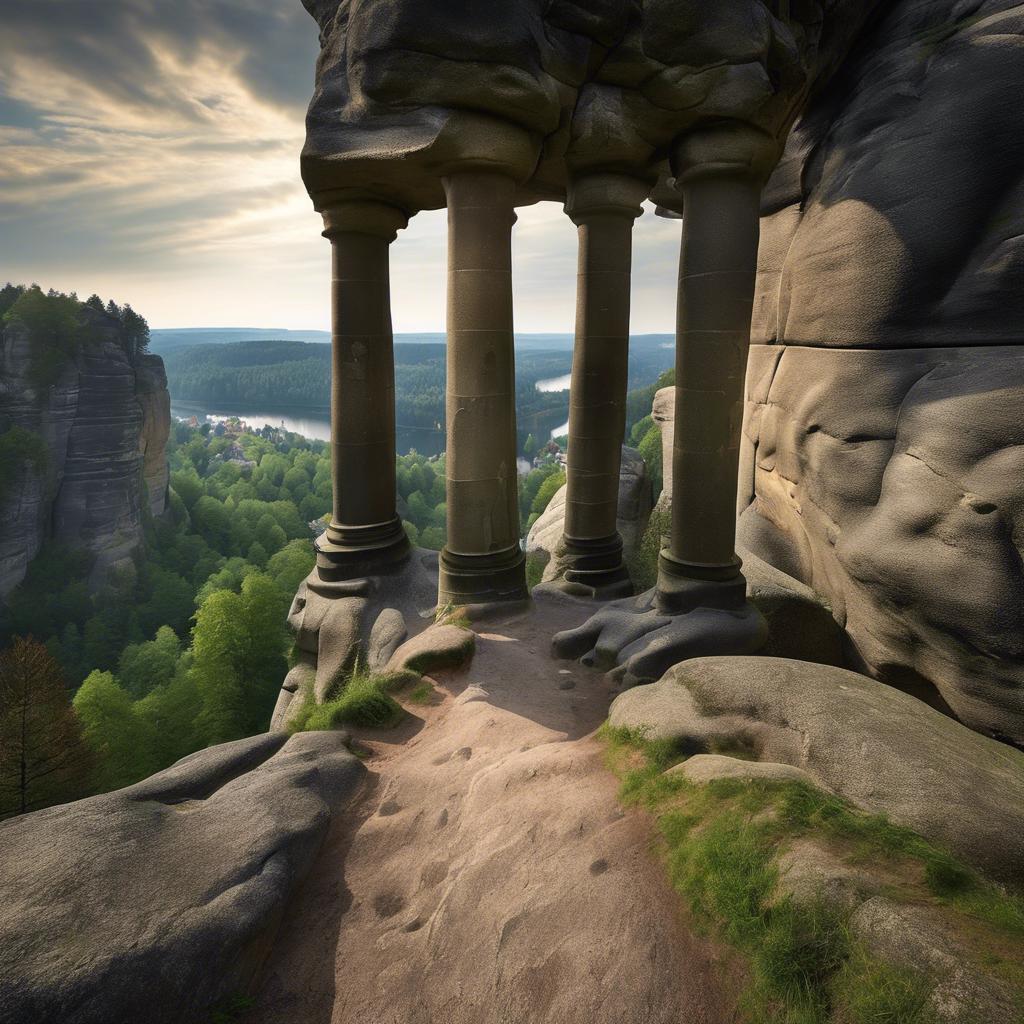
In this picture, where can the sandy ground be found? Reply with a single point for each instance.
(487, 875)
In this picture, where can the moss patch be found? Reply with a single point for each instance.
(722, 842)
(535, 566)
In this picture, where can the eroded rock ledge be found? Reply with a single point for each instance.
(180, 880)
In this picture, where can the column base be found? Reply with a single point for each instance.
(497, 576)
(348, 552)
(683, 586)
(595, 565)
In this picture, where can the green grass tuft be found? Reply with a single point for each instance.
(422, 693)
(873, 992)
(359, 698)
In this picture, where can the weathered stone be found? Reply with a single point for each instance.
(386, 635)
(540, 90)
(704, 768)
(800, 623)
(439, 646)
(810, 873)
(159, 900)
(881, 749)
(105, 425)
(884, 461)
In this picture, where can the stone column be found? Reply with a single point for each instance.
(604, 207)
(365, 534)
(720, 172)
(482, 560)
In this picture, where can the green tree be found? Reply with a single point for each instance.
(238, 649)
(145, 666)
(134, 332)
(546, 492)
(170, 602)
(55, 332)
(291, 565)
(170, 712)
(650, 449)
(44, 758)
(530, 446)
(213, 522)
(122, 740)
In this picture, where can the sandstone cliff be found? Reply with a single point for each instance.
(884, 437)
(104, 423)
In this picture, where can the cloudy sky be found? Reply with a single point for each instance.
(149, 152)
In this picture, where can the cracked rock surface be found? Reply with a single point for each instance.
(157, 901)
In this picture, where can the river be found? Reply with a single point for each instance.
(315, 425)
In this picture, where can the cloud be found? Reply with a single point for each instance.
(149, 152)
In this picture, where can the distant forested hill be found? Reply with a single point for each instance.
(296, 375)
(172, 339)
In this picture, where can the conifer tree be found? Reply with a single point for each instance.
(43, 756)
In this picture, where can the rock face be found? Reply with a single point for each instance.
(634, 510)
(542, 89)
(884, 461)
(105, 425)
(879, 748)
(158, 901)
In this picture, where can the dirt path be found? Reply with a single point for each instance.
(487, 875)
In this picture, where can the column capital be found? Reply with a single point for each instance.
(729, 148)
(593, 194)
(363, 217)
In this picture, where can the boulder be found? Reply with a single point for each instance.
(158, 901)
(883, 750)
(704, 768)
(633, 512)
(440, 646)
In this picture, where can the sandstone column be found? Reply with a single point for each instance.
(482, 560)
(720, 171)
(604, 207)
(365, 534)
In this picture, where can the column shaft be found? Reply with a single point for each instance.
(365, 532)
(717, 270)
(604, 208)
(482, 560)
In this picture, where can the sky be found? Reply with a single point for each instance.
(149, 152)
